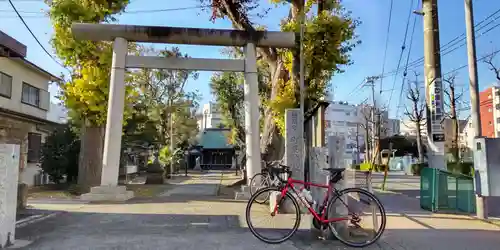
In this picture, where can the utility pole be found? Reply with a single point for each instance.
(357, 143)
(370, 82)
(171, 140)
(481, 205)
(433, 85)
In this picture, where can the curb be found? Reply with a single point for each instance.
(35, 218)
(487, 221)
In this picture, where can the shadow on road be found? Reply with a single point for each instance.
(80, 230)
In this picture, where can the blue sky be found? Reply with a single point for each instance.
(368, 57)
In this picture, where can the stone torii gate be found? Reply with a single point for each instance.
(122, 34)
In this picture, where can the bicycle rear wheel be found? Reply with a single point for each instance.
(259, 181)
(288, 214)
(348, 204)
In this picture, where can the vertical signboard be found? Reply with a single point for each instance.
(437, 114)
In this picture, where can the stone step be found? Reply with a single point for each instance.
(108, 193)
(242, 196)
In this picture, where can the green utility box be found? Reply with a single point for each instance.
(445, 191)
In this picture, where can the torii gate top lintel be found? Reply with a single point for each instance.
(178, 35)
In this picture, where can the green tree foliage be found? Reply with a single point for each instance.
(162, 98)
(60, 154)
(328, 41)
(86, 93)
(227, 89)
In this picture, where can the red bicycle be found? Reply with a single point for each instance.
(283, 200)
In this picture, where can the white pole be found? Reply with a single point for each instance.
(481, 205)
(114, 122)
(251, 104)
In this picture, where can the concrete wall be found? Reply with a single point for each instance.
(13, 131)
(9, 158)
(21, 72)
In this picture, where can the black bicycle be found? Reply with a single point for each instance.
(273, 175)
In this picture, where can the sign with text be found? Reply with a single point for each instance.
(436, 108)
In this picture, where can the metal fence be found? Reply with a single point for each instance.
(441, 190)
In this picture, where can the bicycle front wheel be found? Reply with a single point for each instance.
(260, 217)
(258, 182)
(365, 217)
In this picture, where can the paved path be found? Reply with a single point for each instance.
(190, 216)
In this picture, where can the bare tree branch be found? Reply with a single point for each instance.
(415, 112)
(453, 98)
(490, 61)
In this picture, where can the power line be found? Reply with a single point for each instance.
(451, 43)
(454, 49)
(403, 47)
(125, 12)
(33, 35)
(456, 40)
(386, 43)
(464, 66)
(406, 66)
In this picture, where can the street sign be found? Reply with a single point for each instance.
(438, 137)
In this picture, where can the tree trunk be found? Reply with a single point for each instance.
(272, 143)
(454, 122)
(90, 158)
(419, 143)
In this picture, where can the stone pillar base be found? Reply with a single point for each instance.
(108, 193)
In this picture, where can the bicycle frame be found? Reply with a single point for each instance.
(290, 185)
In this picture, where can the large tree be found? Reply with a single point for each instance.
(163, 103)
(329, 37)
(85, 94)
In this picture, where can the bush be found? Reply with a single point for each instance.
(465, 168)
(417, 168)
(60, 155)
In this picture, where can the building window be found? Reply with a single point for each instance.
(5, 85)
(31, 95)
(498, 120)
(34, 147)
(347, 113)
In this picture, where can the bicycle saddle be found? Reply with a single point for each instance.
(335, 173)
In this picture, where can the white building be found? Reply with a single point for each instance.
(349, 121)
(343, 119)
(24, 105)
(210, 117)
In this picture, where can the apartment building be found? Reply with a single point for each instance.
(489, 110)
(210, 117)
(349, 121)
(24, 104)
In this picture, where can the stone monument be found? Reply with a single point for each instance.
(294, 142)
(9, 174)
(155, 171)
